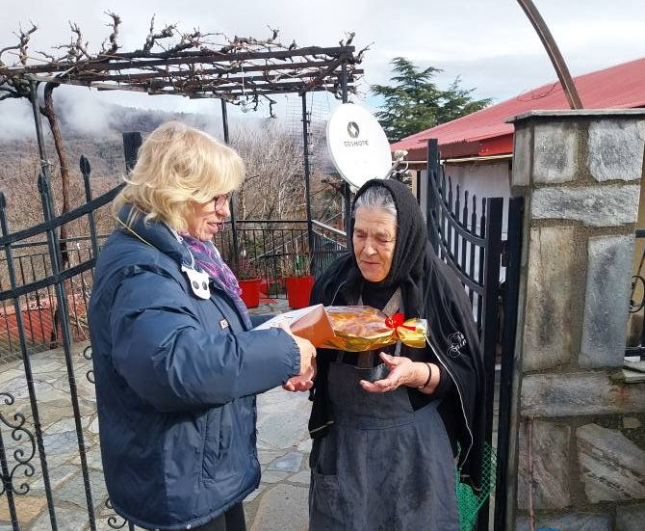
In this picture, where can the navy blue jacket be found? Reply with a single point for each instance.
(175, 377)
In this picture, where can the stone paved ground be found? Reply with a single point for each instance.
(283, 447)
(280, 504)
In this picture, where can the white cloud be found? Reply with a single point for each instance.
(16, 119)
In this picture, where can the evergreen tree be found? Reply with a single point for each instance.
(414, 102)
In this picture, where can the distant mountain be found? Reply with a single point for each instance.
(104, 149)
(257, 141)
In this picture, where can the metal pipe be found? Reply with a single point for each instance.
(305, 137)
(131, 143)
(86, 170)
(347, 195)
(44, 163)
(343, 81)
(329, 228)
(568, 86)
(236, 250)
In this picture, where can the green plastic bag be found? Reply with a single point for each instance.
(468, 502)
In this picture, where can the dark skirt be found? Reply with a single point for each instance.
(383, 465)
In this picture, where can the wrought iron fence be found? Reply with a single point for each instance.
(272, 250)
(276, 249)
(39, 310)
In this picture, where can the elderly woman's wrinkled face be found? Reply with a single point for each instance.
(374, 240)
(205, 220)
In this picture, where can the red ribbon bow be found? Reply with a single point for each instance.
(396, 321)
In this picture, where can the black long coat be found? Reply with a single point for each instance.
(454, 341)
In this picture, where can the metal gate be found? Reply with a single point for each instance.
(49, 451)
(467, 235)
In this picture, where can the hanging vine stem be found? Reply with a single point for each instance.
(22, 457)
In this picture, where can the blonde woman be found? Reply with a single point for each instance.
(176, 363)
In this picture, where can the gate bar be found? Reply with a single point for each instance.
(347, 194)
(490, 324)
(54, 246)
(307, 168)
(514, 255)
(236, 245)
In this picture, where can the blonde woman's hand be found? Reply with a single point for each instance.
(307, 352)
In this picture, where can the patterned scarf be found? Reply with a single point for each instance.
(208, 258)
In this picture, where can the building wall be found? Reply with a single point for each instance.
(483, 181)
(578, 443)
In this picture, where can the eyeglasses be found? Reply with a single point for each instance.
(221, 200)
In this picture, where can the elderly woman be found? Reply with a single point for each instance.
(389, 427)
(176, 362)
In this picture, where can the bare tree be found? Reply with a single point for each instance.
(274, 184)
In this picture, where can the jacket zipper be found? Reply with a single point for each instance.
(461, 400)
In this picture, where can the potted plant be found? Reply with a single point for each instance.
(250, 282)
(299, 281)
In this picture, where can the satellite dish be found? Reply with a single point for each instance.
(357, 145)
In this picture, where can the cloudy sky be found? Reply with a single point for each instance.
(488, 43)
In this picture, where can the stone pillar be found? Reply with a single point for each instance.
(580, 173)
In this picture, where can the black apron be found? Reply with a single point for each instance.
(383, 466)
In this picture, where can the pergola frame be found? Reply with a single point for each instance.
(205, 73)
(245, 73)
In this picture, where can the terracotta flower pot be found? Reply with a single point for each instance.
(299, 291)
(251, 292)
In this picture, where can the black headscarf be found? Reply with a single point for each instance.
(408, 262)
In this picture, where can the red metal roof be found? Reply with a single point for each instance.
(486, 132)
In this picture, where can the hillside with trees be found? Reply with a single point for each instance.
(272, 151)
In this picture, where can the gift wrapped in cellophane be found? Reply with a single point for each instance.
(362, 328)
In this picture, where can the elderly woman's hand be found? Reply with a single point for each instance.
(403, 371)
(303, 382)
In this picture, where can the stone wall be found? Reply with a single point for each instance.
(580, 173)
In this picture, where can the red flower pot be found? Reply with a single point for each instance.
(264, 286)
(251, 292)
(299, 291)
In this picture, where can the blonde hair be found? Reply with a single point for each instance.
(178, 165)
